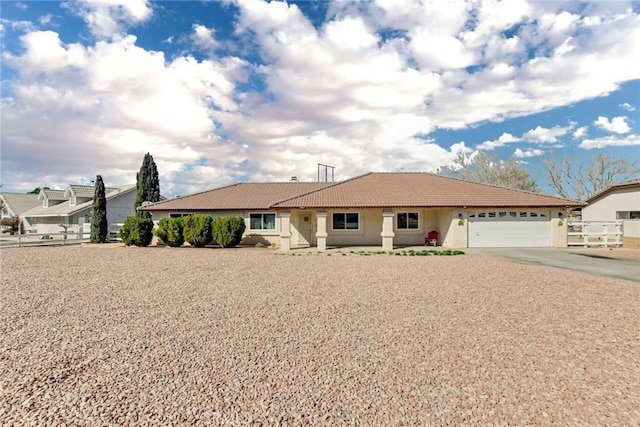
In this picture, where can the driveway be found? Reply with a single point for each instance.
(583, 261)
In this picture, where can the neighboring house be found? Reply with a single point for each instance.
(383, 209)
(14, 204)
(73, 207)
(618, 202)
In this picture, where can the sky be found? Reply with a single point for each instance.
(221, 92)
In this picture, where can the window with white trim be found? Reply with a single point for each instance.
(407, 220)
(262, 221)
(345, 221)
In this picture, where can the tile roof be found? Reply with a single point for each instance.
(417, 189)
(244, 195)
(65, 209)
(373, 190)
(84, 191)
(613, 187)
(19, 203)
(52, 194)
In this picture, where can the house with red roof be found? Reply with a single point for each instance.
(617, 202)
(383, 209)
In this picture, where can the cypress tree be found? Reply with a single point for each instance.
(148, 185)
(99, 217)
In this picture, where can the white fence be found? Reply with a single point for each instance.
(594, 233)
(75, 233)
(39, 239)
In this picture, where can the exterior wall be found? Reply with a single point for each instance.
(454, 221)
(428, 222)
(250, 237)
(119, 208)
(558, 231)
(303, 228)
(604, 209)
(367, 235)
(48, 225)
(631, 233)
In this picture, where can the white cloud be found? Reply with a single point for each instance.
(46, 19)
(203, 37)
(109, 18)
(610, 141)
(352, 92)
(617, 124)
(22, 26)
(519, 154)
(546, 135)
(113, 101)
(21, 5)
(628, 106)
(504, 139)
(580, 132)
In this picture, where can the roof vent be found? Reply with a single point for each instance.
(294, 179)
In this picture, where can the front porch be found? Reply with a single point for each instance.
(373, 229)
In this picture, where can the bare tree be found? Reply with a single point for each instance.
(492, 170)
(580, 181)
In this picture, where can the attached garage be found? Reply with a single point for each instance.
(509, 228)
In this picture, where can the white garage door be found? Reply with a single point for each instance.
(509, 229)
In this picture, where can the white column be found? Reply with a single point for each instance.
(387, 230)
(285, 231)
(321, 234)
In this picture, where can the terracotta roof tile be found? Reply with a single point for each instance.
(375, 190)
(419, 190)
(613, 187)
(238, 196)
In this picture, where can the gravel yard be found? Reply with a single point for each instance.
(108, 335)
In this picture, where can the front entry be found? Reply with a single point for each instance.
(305, 229)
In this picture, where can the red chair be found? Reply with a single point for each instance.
(431, 238)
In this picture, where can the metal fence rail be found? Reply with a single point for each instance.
(594, 233)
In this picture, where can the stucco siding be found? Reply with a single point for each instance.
(121, 207)
(605, 208)
(368, 233)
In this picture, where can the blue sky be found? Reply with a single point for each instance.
(227, 91)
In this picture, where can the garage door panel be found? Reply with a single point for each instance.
(496, 232)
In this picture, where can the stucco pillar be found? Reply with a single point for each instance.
(285, 231)
(321, 234)
(559, 236)
(387, 230)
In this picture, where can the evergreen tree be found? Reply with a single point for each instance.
(148, 185)
(99, 217)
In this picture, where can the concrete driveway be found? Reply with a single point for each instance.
(626, 269)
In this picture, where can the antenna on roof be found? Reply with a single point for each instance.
(323, 173)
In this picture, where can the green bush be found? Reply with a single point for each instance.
(227, 231)
(137, 231)
(197, 230)
(169, 232)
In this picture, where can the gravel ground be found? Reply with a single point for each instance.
(95, 335)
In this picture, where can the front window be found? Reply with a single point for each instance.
(407, 221)
(346, 221)
(262, 221)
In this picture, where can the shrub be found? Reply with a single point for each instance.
(197, 230)
(170, 232)
(137, 231)
(227, 231)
